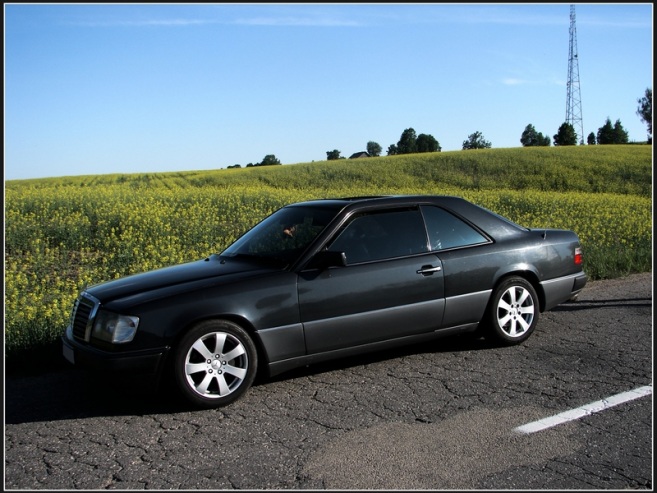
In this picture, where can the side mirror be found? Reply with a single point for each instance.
(326, 258)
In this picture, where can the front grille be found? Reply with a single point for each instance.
(82, 317)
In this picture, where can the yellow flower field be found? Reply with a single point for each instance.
(63, 234)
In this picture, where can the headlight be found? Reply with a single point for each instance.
(114, 328)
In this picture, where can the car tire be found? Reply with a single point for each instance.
(512, 312)
(215, 363)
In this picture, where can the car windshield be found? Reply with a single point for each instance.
(283, 236)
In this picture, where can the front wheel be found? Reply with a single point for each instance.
(215, 363)
(513, 311)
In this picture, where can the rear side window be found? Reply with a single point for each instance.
(448, 231)
(382, 235)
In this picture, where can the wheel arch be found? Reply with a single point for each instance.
(236, 319)
(528, 275)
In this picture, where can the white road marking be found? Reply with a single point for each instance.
(586, 410)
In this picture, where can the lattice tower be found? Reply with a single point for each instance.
(574, 95)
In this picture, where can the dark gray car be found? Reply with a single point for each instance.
(324, 279)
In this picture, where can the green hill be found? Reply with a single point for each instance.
(623, 169)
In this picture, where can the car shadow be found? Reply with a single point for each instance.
(40, 385)
(615, 303)
(447, 344)
(76, 394)
(61, 392)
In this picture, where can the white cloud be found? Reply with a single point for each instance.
(513, 82)
(296, 21)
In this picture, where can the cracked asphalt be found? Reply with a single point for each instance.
(434, 416)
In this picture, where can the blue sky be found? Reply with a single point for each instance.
(130, 88)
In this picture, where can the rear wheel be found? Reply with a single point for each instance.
(215, 363)
(513, 311)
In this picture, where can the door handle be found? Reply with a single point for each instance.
(427, 270)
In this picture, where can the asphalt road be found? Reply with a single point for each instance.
(435, 416)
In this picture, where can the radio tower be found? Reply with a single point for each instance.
(574, 96)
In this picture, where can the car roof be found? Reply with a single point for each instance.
(382, 200)
(488, 221)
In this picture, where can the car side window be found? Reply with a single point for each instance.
(382, 235)
(448, 231)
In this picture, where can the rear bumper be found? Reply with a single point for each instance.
(137, 362)
(562, 289)
(580, 282)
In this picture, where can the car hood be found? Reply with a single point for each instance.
(212, 267)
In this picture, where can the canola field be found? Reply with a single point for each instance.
(62, 234)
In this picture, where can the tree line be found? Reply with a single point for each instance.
(411, 143)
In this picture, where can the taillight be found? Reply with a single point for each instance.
(578, 256)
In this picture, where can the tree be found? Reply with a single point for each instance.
(566, 136)
(476, 141)
(331, 155)
(373, 149)
(531, 138)
(620, 134)
(590, 140)
(408, 142)
(269, 160)
(427, 143)
(645, 111)
(608, 134)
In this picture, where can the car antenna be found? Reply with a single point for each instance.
(545, 229)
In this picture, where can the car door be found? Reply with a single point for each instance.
(392, 285)
(468, 265)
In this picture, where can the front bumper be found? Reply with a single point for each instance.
(142, 362)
